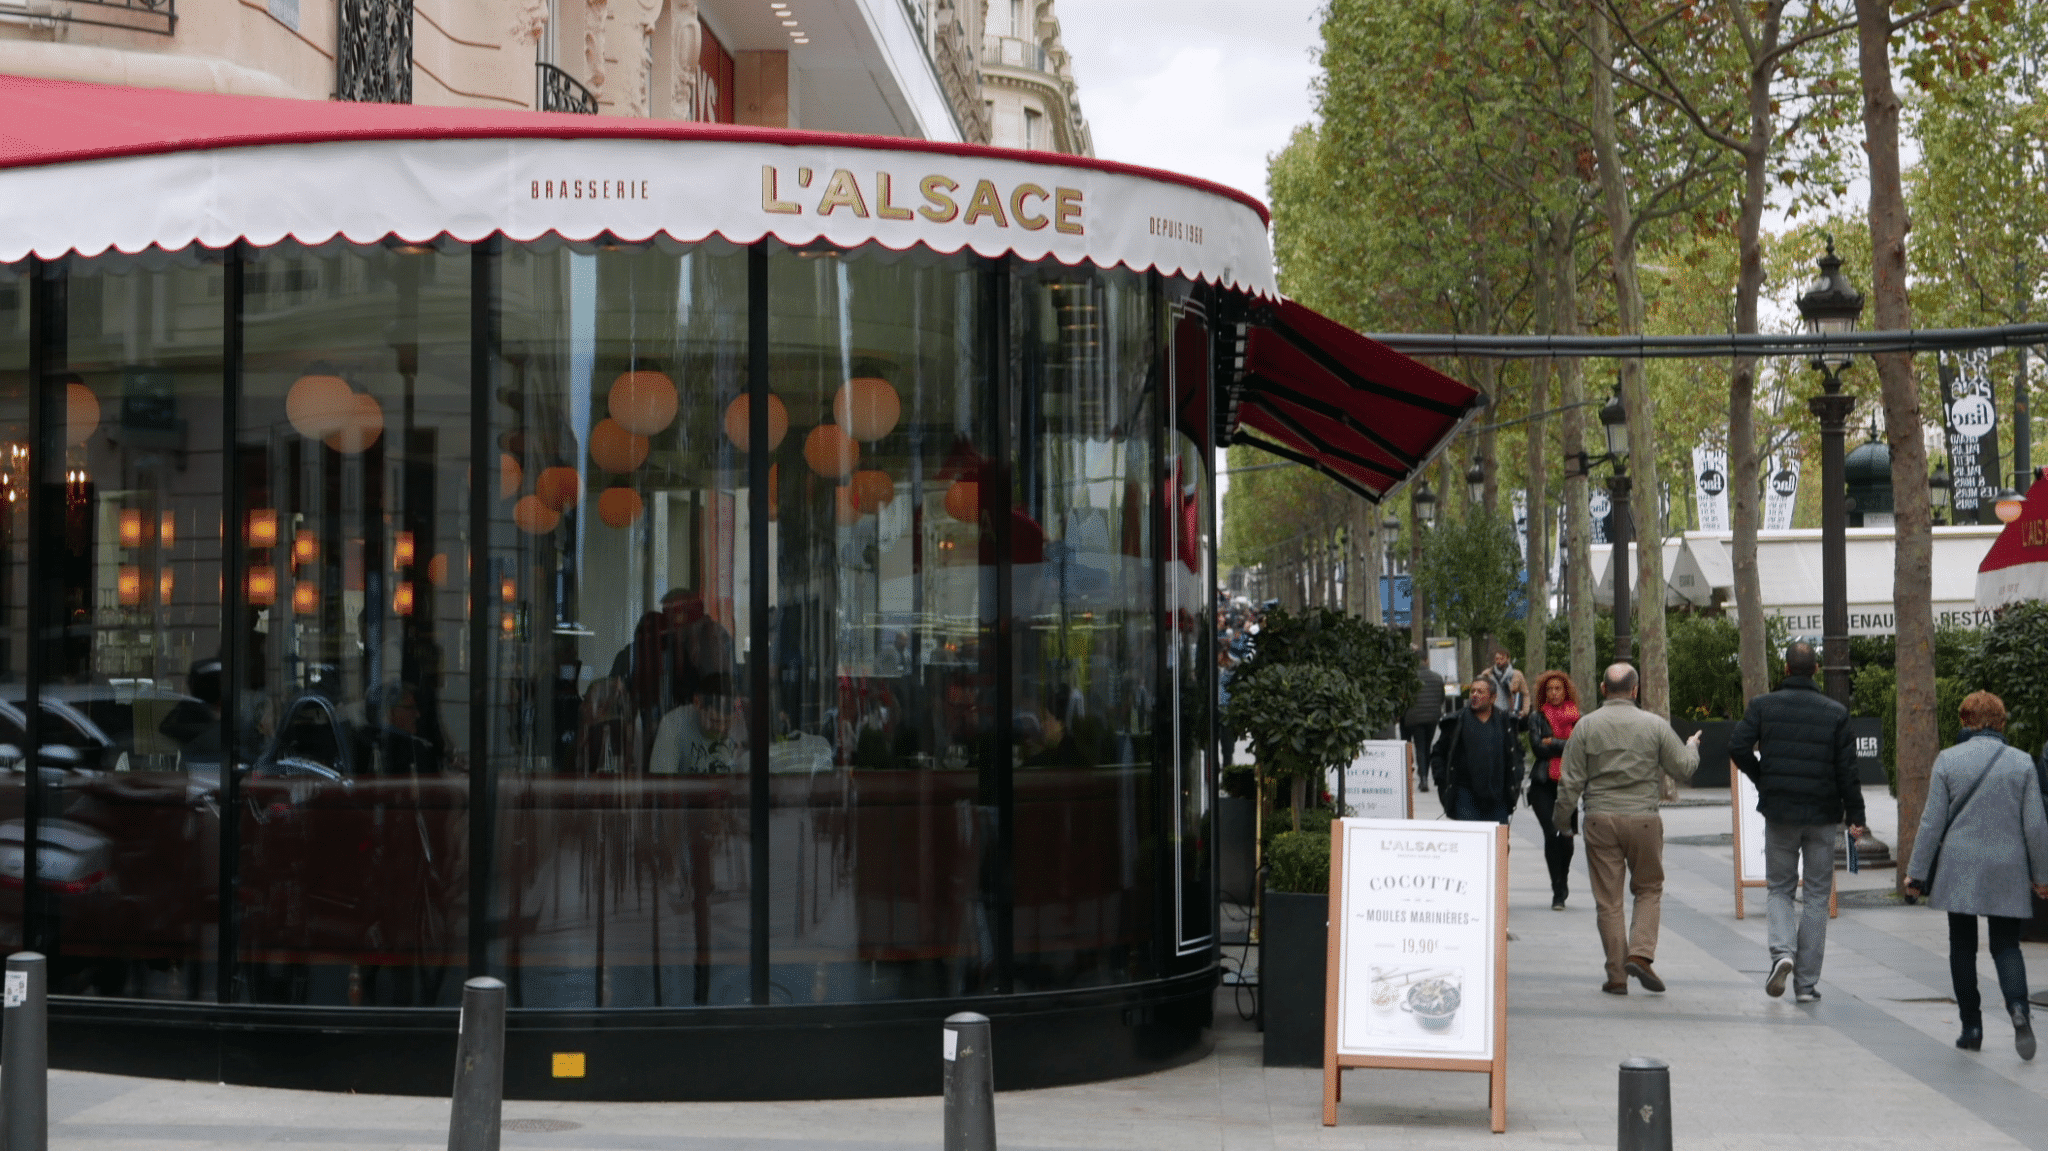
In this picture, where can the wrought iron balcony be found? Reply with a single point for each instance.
(158, 16)
(561, 92)
(374, 62)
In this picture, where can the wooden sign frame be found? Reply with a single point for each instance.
(1736, 782)
(1496, 1068)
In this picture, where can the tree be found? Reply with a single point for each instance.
(2011, 662)
(1471, 571)
(1303, 719)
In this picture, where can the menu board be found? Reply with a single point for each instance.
(1418, 952)
(1376, 785)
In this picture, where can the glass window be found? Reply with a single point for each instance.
(1086, 629)
(131, 685)
(350, 625)
(885, 770)
(1190, 511)
(14, 447)
(618, 565)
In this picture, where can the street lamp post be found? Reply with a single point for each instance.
(1940, 486)
(1614, 422)
(1390, 528)
(1475, 479)
(1831, 307)
(1422, 509)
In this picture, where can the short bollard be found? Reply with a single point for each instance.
(970, 1084)
(25, 1056)
(473, 1121)
(1645, 1105)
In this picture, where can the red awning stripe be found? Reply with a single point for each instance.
(1264, 390)
(1307, 461)
(1318, 337)
(1299, 432)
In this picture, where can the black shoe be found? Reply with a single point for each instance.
(2022, 1031)
(1972, 1039)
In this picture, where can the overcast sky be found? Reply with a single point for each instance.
(1205, 87)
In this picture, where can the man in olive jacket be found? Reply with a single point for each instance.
(1795, 745)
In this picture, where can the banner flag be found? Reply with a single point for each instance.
(1781, 492)
(1970, 421)
(1710, 487)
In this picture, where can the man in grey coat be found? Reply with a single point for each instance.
(1983, 842)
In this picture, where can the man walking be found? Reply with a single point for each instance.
(1794, 744)
(1510, 687)
(1615, 758)
(1478, 761)
(1418, 726)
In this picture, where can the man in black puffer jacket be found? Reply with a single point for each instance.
(1806, 786)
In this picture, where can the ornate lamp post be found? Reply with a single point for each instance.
(1422, 509)
(1614, 422)
(1475, 479)
(1940, 486)
(1831, 307)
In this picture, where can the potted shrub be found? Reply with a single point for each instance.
(1294, 948)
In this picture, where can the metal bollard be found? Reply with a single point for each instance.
(1645, 1121)
(25, 1055)
(473, 1120)
(970, 1084)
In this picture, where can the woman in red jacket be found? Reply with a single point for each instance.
(1550, 725)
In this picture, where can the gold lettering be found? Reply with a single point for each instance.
(842, 191)
(986, 202)
(769, 202)
(941, 207)
(1066, 210)
(883, 207)
(803, 177)
(1027, 222)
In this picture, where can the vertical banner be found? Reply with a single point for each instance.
(1599, 505)
(1970, 423)
(1781, 492)
(1522, 521)
(1710, 487)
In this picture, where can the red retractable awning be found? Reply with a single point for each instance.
(1320, 394)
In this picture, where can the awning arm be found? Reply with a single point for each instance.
(1307, 461)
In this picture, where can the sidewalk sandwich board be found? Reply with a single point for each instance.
(1379, 783)
(1749, 842)
(1418, 961)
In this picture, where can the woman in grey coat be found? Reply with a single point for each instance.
(1984, 840)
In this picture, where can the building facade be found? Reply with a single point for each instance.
(878, 67)
(1028, 83)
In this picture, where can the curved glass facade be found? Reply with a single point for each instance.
(651, 625)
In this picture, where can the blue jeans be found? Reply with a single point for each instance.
(1800, 935)
(1465, 805)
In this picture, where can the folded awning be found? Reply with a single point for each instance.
(1316, 392)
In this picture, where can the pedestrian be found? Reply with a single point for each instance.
(1615, 759)
(1418, 726)
(1477, 761)
(1550, 726)
(1794, 744)
(1983, 841)
(1509, 688)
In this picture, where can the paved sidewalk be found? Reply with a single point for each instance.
(1869, 1066)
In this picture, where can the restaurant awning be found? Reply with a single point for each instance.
(1316, 392)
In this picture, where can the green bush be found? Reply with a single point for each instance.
(1315, 821)
(2011, 662)
(1377, 660)
(1299, 863)
(1875, 691)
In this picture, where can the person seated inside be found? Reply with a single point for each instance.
(701, 737)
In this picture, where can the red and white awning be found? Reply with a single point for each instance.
(2016, 567)
(86, 168)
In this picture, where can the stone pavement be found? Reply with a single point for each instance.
(1871, 1065)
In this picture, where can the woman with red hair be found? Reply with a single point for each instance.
(1550, 725)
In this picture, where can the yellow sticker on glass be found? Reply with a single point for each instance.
(568, 1064)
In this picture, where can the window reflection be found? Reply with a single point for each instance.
(1086, 629)
(885, 769)
(618, 549)
(1190, 527)
(352, 705)
(14, 444)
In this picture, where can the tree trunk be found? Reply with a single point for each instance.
(1642, 433)
(1578, 517)
(1912, 572)
(1745, 485)
(1536, 556)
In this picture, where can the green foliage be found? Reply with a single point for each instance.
(1874, 690)
(1302, 719)
(1706, 672)
(1300, 863)
(2011, 662)
(1470, 569)
(1314, 821)
(1376, 659)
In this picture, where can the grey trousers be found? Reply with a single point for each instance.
(1800, 932)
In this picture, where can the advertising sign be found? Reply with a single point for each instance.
(1781, 492)
(1376, 784)
(1710, 488)
(1970, 421)
(1749, 840)
(1599, 505)
(1418, 951)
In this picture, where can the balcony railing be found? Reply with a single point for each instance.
(561, 92)
(1014, 52)
(158, 16)
(374, 62)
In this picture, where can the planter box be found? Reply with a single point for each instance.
(1293, 965)
(1236, 846)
